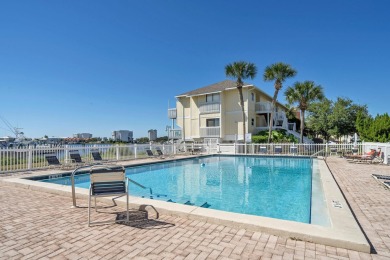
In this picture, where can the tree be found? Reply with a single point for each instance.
(304, 93)
(373, 129)
(319, 118)
(277, 72)
(343, 118)
(240, 71)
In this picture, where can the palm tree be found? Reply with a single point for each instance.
(304, 93)
(278, 72)
(241, 70)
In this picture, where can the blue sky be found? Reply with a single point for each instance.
(97, 66)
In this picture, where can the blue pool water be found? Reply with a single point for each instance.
(277, 187)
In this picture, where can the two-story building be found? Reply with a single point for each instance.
(214, 112)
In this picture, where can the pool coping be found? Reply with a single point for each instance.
(344, 230)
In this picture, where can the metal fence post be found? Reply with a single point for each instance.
(135, 151)
(29, 160)
(117, 152)
(66, 152)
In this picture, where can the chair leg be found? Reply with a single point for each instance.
(127, 206)
(89, 210)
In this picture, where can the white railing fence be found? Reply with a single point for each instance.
(25, 159)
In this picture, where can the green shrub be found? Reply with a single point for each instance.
(278, 136)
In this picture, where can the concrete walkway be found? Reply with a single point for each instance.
(37, 225)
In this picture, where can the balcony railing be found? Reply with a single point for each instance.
(209, 107)
(263, 107)
(174, 134)
(210, 131)
(172, 113)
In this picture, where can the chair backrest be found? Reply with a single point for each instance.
(263, 149)
(159, 152)
(149, 152)
(293, 149)
(52, 159)
(108, 180)
(75, 156)
(96, 155)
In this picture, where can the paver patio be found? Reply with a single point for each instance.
(37, 225)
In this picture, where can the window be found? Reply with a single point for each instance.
(214, 122)
(253, 96)
(212, 98)
(253, 121)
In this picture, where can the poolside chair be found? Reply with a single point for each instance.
(367, 155)
(75, 157)
(370, 157)
(151, 154)
(263, 149)
(333, 151)
(294, 150)
(53, 161)
(162, 155)
(278, 149)
(108, 182)
(98, 158)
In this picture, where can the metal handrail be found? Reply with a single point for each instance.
(314, 154)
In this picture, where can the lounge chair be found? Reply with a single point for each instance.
(333, 151)
(75, 157)
(161, 154)
(151, 154)
(263, 149)
(367, 155)
(53, 161)
(294, 150)
(108, 182)
(371, 157)
(98, 158)
(278, 149)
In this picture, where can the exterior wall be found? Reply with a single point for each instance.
(185, 109)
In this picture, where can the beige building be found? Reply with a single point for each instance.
(214, 112)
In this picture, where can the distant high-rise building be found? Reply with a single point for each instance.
(82, 135)
(152, 134)
(123, 135)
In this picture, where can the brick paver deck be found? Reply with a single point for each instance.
(36, 225)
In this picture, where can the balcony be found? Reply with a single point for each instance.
(174, 134)
(210, 131)
(209, 107)
(263, 107)
(172, 113)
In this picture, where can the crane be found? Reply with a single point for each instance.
(19, 135)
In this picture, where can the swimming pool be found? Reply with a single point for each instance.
(276, 187)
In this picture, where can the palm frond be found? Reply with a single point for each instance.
(278, 71)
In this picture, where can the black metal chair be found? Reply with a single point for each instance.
(98, 158)
(75, 157)
(53, 161)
